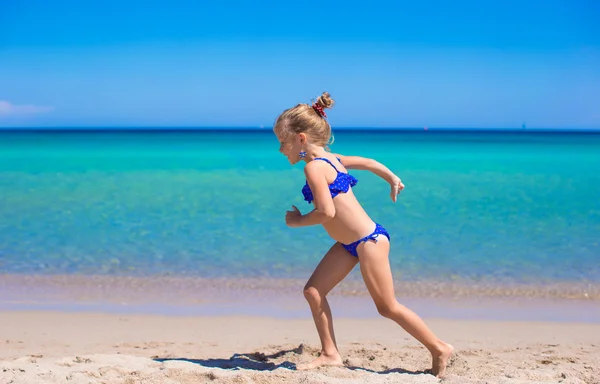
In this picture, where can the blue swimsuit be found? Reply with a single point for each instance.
(341, 184)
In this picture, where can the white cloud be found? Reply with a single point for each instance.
(9, 109)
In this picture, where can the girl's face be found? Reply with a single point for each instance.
(290, 146)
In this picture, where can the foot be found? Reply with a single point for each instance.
(322, 361)
(441, 358)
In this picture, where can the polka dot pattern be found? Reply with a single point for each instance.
(341, 184)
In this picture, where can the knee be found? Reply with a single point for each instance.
(387, 310)
(312, 294)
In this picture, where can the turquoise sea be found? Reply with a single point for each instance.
(478, 206)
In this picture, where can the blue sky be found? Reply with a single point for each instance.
(387, 64)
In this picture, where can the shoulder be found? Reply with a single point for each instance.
(315, 170)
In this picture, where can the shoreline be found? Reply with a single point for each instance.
(98, 285)
(283, 299)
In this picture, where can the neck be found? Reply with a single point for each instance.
(313, 152)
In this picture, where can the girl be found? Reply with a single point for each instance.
(303, 133)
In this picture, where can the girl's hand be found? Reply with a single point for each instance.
(291, 217)
(397, 187)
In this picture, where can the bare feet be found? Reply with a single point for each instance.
(441, 359)
(322, 361)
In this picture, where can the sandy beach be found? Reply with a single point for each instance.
(160, 257)
(76, 347)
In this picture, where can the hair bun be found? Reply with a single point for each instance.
(325, 100)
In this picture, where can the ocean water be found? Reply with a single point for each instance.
(478, 206)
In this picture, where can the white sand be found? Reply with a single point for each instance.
(61, 347)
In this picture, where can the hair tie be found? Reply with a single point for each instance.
(319, 109)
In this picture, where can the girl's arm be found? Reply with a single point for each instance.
(366, 164)
(324, 208)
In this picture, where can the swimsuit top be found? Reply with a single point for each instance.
(342, 183)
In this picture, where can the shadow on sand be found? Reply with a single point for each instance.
(258, 361)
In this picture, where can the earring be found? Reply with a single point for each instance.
(302, 154)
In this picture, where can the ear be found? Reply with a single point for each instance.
(302, 138)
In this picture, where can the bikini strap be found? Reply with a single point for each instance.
(330, 163)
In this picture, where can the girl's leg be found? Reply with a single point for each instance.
(335, 265)
(377, 274)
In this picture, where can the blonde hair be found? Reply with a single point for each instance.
(308, 119)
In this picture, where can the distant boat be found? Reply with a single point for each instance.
(523, 127)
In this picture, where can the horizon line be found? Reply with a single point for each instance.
(267, 129)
